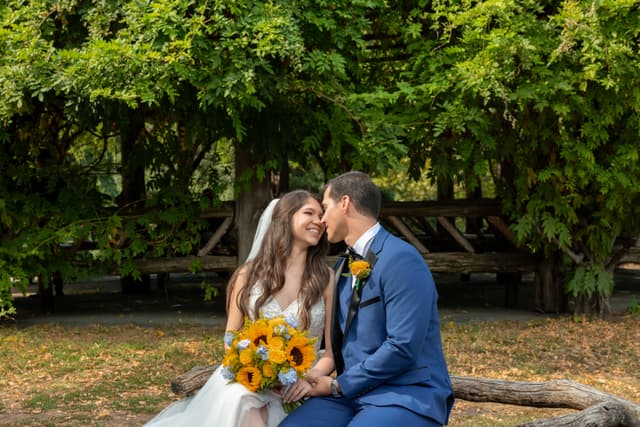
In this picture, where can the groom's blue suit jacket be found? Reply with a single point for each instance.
(392, 350)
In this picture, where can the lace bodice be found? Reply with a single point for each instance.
(271, 308)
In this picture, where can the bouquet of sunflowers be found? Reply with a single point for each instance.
(267, 353)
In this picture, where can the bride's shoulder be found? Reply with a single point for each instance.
(240, 278)
(243, 271)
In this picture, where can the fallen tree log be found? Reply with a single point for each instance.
(605, 414)
(192, 380)
(595, 408)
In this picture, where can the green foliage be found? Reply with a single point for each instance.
(541, 96)
(634, 307)
(589, 281)
(397, 185)
(93, 93)
(544, 97)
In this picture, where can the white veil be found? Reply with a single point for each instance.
(261, 230)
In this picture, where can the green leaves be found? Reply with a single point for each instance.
(547, 95)
(590, 280)
(541, 97)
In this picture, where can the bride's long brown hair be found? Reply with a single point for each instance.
(267, 269)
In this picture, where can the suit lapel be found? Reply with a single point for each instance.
(354, 304)
(377, 243)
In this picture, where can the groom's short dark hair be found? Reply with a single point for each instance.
(364, 194)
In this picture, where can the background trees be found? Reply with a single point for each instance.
(544, 97)
(121, 120)
(112, 108)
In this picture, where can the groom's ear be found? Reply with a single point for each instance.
(345, 201)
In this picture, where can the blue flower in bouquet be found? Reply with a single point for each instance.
(263, 352)
(288, 378)
(291, 320)
(282, 331)
(227, 373)
(242, 344)
(228, 338)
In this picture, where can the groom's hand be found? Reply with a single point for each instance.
(321, 386)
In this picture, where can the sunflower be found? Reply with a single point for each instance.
(300, 353)
(258, 331)
(246, 356)
(276, 321)
(268, 372)
(277, 357)
(266, 353)
(230, 359)
(250, 377)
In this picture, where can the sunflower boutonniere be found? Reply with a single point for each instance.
(360, 269)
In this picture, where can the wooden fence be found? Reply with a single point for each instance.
(456, 236)
(434, 228)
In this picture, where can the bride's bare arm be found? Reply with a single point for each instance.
(235, 318)
(325, 365)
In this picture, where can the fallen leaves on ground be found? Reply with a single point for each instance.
(120, 375)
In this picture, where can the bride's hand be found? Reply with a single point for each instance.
(297, 391)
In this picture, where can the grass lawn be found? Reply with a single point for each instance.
(119, 375)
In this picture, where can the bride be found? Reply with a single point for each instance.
(285, 274)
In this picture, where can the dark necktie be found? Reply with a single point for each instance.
(355, 295)
(337, 333)
(336, 330)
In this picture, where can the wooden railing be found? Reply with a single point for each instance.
(438, 229)
(457, 236)
(433, 227)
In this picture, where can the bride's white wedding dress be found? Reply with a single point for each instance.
(221, 404)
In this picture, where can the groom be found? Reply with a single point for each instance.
(386, 332)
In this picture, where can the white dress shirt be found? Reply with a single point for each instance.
(363, 244)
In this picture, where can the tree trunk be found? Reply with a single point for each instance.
(444, 188)
(548, 288)
(252, 196)
(133, 193)
(132, 165)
